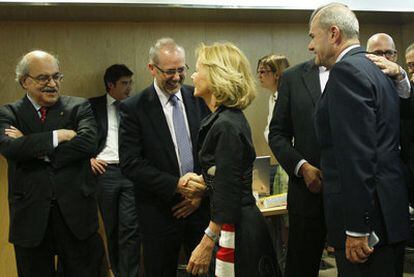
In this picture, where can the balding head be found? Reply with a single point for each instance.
(382, 44)
(332, 28)
(38, 73)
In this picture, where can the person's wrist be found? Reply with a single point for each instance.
(211, 235)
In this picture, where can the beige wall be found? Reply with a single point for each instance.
(87, 48)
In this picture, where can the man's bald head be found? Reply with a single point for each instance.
(382, 44)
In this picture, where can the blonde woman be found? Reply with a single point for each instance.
(224, 81)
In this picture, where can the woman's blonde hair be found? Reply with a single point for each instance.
(229, 74)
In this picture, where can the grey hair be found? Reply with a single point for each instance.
(22, 67)
(409, 48)
(339, 15)
(163, 43)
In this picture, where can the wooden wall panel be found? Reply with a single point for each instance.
(85, 49)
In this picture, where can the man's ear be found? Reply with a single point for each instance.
(335, 33)
(152, 69)
(22, 82)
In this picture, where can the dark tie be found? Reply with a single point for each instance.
(183, 140)
(43, 111)
(116, 104)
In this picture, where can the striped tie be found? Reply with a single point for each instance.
(183, 141)
(43, 111)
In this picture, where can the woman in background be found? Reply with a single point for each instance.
(224, 81)
(269, 70)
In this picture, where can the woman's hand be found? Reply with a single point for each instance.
(201, 257)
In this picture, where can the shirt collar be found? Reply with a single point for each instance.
(35, 105)
(164, 96)
(109, 99)
(346, 50)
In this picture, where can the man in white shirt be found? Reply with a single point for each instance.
(116, 192)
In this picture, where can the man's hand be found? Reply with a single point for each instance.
(191, 186)
(98, 166)
(186, 207)
(389, 68)
(357, 249)
(65, 135)
(13, 132)
(312, 177)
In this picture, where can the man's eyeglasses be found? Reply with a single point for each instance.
(45, 79)
(410, 65)
(172, 72)
(260, 72)
(386, 53)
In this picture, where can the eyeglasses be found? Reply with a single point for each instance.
(172, 72)
(386, 53)
(260, 72)
(45, 79)
(410, 65)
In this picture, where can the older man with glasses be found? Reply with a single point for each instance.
(158, 153)
(47, 140)
(409, 59)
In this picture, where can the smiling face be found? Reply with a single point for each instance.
(42, 66)
(169, 59)
(200, 80)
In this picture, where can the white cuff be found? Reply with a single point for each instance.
(297, 167)
(55, 139)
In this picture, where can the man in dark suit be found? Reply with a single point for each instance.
(158, 152)
(293, 119)
(47, 140)
(356, 121)
(116, 192)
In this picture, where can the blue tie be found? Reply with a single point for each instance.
(183, 141)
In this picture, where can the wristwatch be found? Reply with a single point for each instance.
(213, 236)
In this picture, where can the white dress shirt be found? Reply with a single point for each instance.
(272, 102)
(109, 154)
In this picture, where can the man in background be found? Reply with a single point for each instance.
(409, 59)
(48, 140)
(158, 153)
(116, 192)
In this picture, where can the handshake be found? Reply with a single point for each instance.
(192, 187)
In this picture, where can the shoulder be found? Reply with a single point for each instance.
(98, 99)
(230, 120)
(299, 69)
(74, 101)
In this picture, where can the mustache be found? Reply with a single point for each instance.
(48, 90)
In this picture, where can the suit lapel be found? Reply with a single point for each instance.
(157, 117)
(54, 114)
(29, 115)
(311, 80)
(102, 111)
(191, 111)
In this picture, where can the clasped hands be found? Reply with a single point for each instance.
(192, 187)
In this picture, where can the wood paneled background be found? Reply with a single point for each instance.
(85, 49)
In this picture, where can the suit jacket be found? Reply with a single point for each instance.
(67, 177)
(407, 140)
(357, 125)
(293, 119)
(148, 157)
(100, 111)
